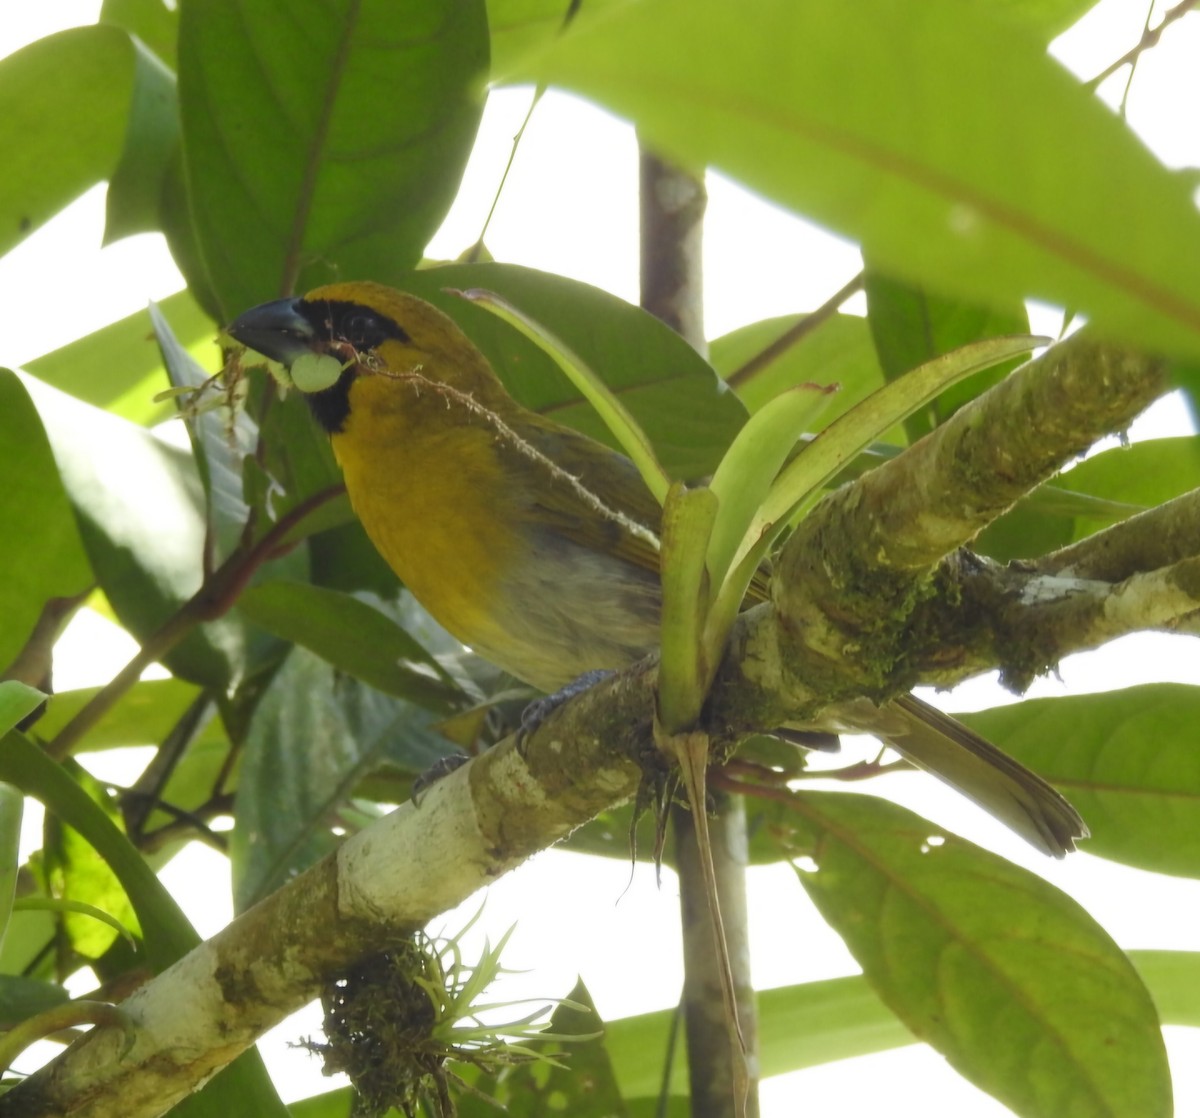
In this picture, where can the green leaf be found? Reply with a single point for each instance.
(1049, 18)
(135, 193)
(1174, 979)
(144, 715)
(17, 701)
(911, 326)
(948, 165)
(749, 469)
(621, 425)
(140, 507)
(167, 933)
(684, 672)
(799, 1027)
(1122, 482)
(297, 465)
(152, 21)
(799, 483)
(355, 637)
(118, 367)
(79, 874)
(687, 413)
(24, 997)
(1011, 980)
(851, 433)
(221, 438)
(82, 908)
(519, 26)
(328, 1104)
(1126, 759)
(580, 1084)
(313, 736)
(12, 807)
(838, 353)
(382, 104)
(816, 1023)
(43, 556)
(63, 106)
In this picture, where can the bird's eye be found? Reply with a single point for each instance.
(362, 330)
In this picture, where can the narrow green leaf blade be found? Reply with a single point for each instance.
(911, 326)
(748, 470)
(12, 807)
(799, 484)
(616, 416)
(684, 670)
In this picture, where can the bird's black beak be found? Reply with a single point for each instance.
(277, 330)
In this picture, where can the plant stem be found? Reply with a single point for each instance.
(214, 599)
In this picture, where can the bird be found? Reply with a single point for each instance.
(532, 543)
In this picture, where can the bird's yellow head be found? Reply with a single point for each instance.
(372, 331)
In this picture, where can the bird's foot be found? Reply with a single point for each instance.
(440, 769)
(540, 709)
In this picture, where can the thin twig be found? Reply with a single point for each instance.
(472, 254)
(795, 334)
(1148, 40)
(214, 599)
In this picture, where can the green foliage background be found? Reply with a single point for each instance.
(280, 145)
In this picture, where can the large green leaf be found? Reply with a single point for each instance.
(1127, 760)
(141, 510)
(63, 107)
(119, 368)
(144, 715)
(42, 555)
(354, 636)
(949, 164)
(313, 737)
(1045, 17)
(136, 192)
(324, 140)
(687, 413)
(1011, 980)
(837, 354)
